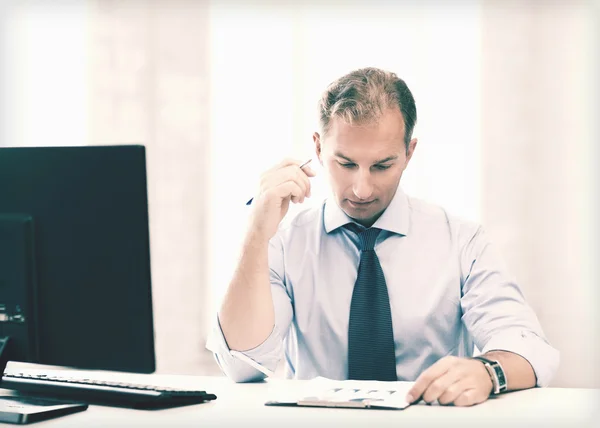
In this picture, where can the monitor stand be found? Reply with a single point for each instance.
(18, 290)
(4, 354)
(18, 320)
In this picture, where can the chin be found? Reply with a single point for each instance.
(365, 217)
(359, 215)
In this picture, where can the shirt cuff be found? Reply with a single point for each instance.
(267, 355)
(543, 358)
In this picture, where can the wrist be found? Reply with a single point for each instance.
(260, 227)
(256, 238)
(256, 243)
(496, 373)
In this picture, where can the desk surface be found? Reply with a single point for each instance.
(243, 405)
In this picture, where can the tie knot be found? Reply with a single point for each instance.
(367, 236)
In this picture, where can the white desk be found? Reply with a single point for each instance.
(242, 405)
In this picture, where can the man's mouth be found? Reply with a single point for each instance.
(361, 203)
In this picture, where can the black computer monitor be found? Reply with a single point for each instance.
(75, 284)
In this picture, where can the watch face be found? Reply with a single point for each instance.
(501, 378)
(496, 373)
(500, 375)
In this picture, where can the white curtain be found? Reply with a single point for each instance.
(504, 92)
(149, 84)
(270, 64)
(117, 72)
(43, 79)
(539, 157)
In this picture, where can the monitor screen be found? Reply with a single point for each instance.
(75, 258)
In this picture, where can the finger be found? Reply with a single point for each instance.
(428, 376)
(453, 392)
(290, 161)
(289, 173)
(289, 189)
(304, 179)
(294, 173)
(284, 163)
(440, 385)
(309, 171)
(469, 398)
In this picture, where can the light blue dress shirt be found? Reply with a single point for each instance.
(449, 290)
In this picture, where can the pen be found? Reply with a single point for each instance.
(301, 166)
(253, 363)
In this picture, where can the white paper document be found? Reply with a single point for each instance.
(322, 392)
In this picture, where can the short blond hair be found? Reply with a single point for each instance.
(361, 97)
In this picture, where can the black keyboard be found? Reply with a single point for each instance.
(103, 392)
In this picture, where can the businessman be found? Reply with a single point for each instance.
(374, 284)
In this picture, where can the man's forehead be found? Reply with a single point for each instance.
(388, 127)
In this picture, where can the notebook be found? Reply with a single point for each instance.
(322, 392)
(24, 410)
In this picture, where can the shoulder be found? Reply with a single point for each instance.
(426, 216)
(301, 222)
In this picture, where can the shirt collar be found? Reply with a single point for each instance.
(394, 219)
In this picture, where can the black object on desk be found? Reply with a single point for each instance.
(24, 410)
(104, 392)
(75, 272)
(4, 350)
(75, 257)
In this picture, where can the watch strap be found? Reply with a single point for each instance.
(496, 373)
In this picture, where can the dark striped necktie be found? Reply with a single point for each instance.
(371, 353)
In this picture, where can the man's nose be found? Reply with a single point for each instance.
(363, 189)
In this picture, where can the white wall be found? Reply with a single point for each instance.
(44, 87)
(80, 72)
(504, 92)
(539, 158)
(270, 64)
(148, 83)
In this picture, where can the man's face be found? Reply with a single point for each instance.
(364, 164)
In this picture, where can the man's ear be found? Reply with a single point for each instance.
(412, 145)
(317, 140)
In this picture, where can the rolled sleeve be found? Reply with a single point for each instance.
(266, 354)
(543, 358)
(495, 311)
(269, 352)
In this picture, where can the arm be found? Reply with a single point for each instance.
(268, 352)
(499, 318)
(247, 316)
(516, 368)
(256, 310)
(503, 326)
(465, 381)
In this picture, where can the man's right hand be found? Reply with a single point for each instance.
(278, 186)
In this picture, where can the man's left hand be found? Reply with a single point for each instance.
(453, 380)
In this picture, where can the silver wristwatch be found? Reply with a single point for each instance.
(496, 372)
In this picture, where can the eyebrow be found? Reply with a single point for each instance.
(389, 158)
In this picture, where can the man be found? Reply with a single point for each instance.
(373, 284)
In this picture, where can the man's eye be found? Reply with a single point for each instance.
(382, 167)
